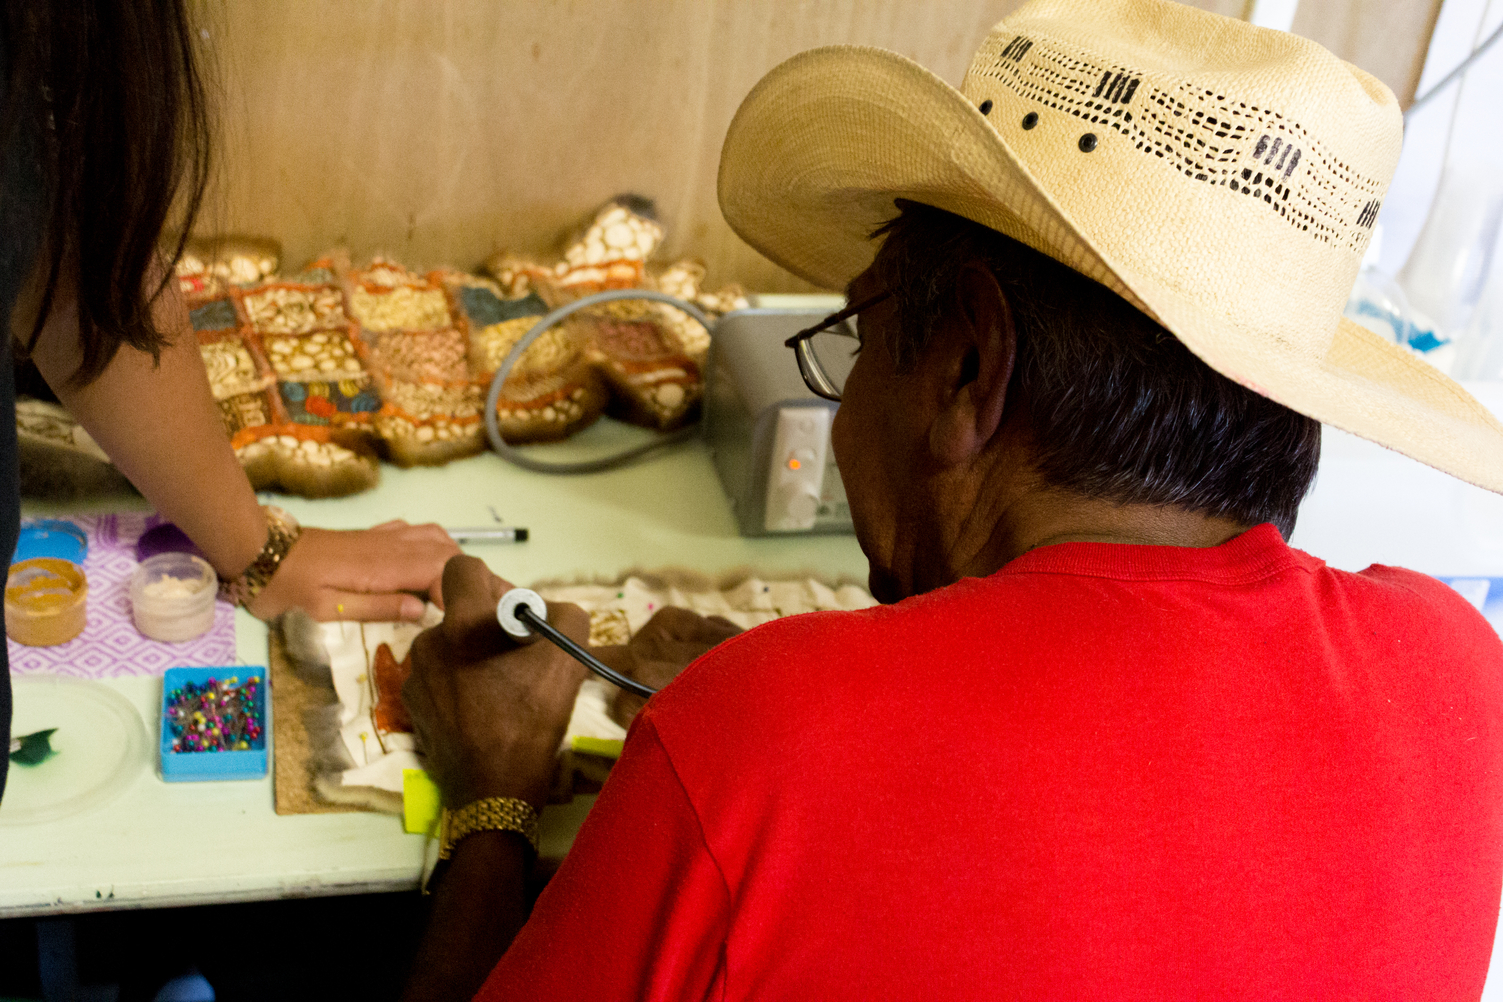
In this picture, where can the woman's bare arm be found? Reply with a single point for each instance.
(157, 420)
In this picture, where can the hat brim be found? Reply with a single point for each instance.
(825, 144)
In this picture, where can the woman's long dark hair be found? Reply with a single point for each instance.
(114, 90)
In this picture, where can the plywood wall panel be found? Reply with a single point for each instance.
(440, 132)
(1388, 38)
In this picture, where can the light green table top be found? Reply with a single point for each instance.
(158, 844)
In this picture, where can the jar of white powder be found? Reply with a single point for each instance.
(172, 596)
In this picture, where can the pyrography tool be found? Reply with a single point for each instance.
(523, 614)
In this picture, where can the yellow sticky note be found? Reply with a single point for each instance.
(604, 747)
(420, 803)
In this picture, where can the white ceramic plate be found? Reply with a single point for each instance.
(100, 743)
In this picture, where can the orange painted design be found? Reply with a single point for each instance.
(301, 432)
(320, 406)
(453, 420)
(390, 712)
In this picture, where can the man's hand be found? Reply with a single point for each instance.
(490, 715)
(660, 650)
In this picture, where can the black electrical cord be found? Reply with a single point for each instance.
(584, 657)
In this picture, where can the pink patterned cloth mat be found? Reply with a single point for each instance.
(109, 646)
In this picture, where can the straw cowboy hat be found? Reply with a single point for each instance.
(1222, 178)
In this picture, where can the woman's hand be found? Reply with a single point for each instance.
(370, 574)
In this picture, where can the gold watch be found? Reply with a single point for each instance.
(282, 531)
(506, 814)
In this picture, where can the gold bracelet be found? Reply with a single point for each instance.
(282, 531)
(505, 814)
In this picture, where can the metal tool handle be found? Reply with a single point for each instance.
(523, 614)
(513, 602)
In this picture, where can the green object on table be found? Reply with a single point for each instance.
(32, 749)
(604, 747)
(421, 803)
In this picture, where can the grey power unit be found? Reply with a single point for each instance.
(769, 435)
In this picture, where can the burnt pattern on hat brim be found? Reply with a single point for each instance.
(1209, 137)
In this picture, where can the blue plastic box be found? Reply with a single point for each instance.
(181, 767)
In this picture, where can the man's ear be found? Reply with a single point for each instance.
(979, 352)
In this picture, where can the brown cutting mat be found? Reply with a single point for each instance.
(291, 696)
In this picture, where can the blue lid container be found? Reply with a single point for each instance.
(188, 766)
(51, 537)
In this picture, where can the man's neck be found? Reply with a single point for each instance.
(1088, 520)
(981, 541)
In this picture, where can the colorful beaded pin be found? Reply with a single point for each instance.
(218, 715)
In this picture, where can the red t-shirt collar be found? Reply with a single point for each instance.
(1254, 554)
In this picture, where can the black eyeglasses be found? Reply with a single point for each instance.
(824, 353)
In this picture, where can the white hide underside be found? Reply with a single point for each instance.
(616, 612)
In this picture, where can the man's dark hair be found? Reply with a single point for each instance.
(107, 122)
(1120, 409)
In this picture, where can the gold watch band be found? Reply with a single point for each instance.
(282, 531)
(506, 814)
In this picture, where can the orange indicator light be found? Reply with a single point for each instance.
(794, 464)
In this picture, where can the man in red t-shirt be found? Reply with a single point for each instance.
(1108, 736)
